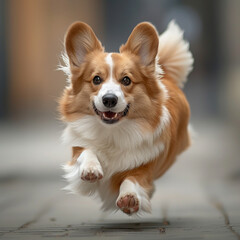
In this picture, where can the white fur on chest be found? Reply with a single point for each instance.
(119, 147)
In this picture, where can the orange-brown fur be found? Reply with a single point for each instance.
(76, 151)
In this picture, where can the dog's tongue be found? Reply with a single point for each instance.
(109, 114)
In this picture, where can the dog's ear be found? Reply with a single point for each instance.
(143, 42)
(79, 41)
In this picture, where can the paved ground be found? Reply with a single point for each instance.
(199, 198)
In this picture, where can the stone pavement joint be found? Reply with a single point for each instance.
(222, 210)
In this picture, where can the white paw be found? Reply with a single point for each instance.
(90, 168)
(92, 172)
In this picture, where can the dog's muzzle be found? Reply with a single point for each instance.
(110, 117)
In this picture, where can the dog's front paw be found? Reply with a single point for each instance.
(128, 203)
(92, 173)
(90, 167)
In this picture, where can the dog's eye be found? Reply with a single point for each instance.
(97, 80)
(126, 81)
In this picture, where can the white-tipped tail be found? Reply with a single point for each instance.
(174, 55)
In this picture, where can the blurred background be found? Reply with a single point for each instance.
(31, 41)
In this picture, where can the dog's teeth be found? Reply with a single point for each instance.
(111, 117)
(105, 116)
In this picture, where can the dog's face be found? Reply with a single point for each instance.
(113, 87)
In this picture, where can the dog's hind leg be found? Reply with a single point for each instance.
(133, 198)
(135, 188)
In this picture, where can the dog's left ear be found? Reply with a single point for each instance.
(143, 42)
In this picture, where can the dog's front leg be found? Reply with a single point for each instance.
(86, 163)
(90, 167)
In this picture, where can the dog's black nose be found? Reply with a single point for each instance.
(109, 100)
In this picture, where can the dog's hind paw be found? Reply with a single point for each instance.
(128, 203)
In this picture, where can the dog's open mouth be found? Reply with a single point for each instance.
(111, 117)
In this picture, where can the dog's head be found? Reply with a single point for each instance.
(113, 87)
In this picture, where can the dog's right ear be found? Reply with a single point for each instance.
(79, 41)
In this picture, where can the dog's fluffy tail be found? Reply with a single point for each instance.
(174, 56)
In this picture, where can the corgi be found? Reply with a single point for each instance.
(125, 113)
